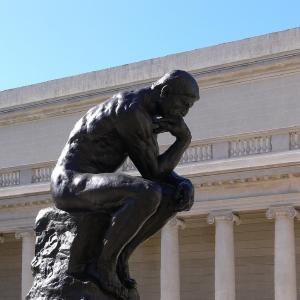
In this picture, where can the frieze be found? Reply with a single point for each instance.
(251, 179)
(7, 205)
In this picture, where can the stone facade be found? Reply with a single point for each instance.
(241, 239)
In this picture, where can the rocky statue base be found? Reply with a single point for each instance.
(66, 251)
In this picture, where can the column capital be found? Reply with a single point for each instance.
(176, 222)
(282, 211)
(24, 233)
(223, 215)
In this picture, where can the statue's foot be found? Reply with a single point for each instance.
(123, 273)
(109, 281)
(133, 294)
(92, 272)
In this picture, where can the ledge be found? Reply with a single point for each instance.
(245, 204)
(244, 163)
(24, 190)
(251, 162)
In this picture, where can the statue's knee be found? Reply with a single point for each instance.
(60, 203)
(154, 196)
(62, 200)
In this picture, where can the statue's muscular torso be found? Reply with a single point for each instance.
(95, 144)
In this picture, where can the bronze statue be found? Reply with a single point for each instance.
(85, 178)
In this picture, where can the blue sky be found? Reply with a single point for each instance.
(49, 39)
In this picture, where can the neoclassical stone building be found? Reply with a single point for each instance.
(241, 240)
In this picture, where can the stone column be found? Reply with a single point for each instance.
(2, 239)
(224, 254)
(170, 270)
(28, 243)
(285, 259)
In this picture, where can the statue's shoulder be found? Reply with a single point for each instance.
(131, 115)
(127, 105)
(103, 110)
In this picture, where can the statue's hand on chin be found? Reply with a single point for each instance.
(174, 125)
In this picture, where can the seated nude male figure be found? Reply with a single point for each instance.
(126, 125)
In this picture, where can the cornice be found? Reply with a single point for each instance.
(208, 207)
(255, 69)
(242, 204)
(264, 67)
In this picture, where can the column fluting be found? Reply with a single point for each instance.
(170, 263)
(284, 252)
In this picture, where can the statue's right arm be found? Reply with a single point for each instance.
(136, 130)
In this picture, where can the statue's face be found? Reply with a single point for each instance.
(175, 106)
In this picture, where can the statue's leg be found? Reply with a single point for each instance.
(163, 214)
(134, 201)
(124, 225)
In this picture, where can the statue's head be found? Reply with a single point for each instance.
(178, 92)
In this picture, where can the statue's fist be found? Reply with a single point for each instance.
(176, 126)
(184, 196)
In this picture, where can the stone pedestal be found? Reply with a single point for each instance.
(66, 253)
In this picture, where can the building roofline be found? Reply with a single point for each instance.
(199, 60)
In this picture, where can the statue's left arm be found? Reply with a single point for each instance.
(137, 132)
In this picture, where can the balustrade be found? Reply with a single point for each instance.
(196, 153)
(255, 145)
(42, 174)
(10, 179)
(294, 140)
